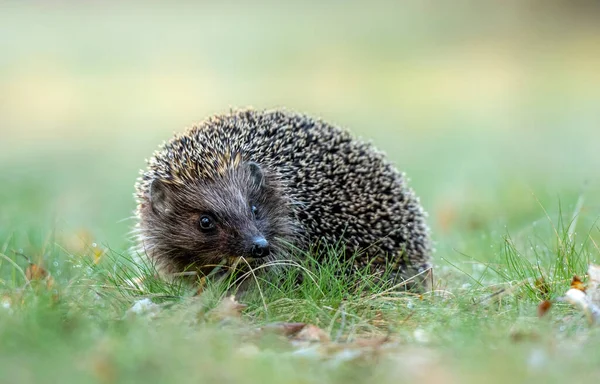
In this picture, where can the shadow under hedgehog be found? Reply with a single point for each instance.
(258, 186)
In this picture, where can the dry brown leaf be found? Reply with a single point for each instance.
(337, 353)
(586, 299)
(35, 272)
(580, 300)
(312, 333)
(543, 308)
(228, 308)
(284, 329)
(374, 342)
(576, 283)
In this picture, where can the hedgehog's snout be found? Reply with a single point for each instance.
(260, 247)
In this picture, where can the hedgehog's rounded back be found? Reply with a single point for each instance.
(281, 177)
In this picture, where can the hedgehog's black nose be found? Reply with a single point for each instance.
(260, 247)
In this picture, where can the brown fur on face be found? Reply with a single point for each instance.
(171, 214)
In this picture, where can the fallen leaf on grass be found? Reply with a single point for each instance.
(363, 344)
(35, 272)
(543, 308)
(341, 352)
(306, 340)
(312, 333)
(310, 341)
(586, 299)
(576, 283)
(579, 299)
(283, 329)
(374, 342)
(228, 308)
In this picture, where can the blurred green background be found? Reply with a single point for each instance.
(481, 103)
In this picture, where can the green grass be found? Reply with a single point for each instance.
(492, 111)
(479, 321)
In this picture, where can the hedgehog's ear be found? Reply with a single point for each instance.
(257, 175)
(158, 197)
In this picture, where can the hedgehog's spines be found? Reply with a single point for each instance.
(335, 186)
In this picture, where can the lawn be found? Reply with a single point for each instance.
(491, 111)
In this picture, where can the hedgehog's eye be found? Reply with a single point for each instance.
(254, 210)
(206, 223)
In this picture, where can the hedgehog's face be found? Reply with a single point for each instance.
(240, 213)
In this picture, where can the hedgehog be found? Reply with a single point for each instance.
(267, 186)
